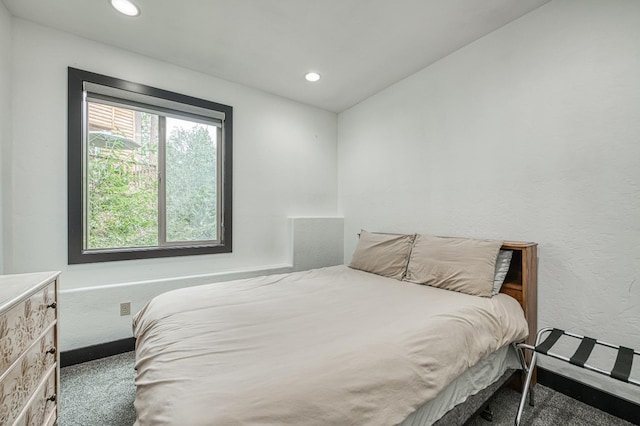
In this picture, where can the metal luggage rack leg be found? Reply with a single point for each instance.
(621, 368)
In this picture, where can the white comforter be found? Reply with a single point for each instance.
(332, 346)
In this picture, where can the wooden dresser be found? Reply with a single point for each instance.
(29, 366)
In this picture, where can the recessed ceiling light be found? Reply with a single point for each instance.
(125, 7)
(312, 76)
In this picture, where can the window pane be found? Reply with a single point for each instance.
(191, 181)
(122, 178)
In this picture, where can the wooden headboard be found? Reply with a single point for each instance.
(521, 282)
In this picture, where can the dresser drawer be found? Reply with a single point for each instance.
(42, 408)
(24, 322)
(25, 375)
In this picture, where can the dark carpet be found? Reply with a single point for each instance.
(101, 393)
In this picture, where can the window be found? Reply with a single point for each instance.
(149, 171)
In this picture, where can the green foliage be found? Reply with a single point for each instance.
(191, 185)
(123, 193)
(123, 209)
(123, 190)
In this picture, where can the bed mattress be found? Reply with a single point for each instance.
(475, 380)
(332, 346)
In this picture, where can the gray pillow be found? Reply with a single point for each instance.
(502, 267)
(383, 254)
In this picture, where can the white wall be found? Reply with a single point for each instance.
(5, 114)
(284, 165)
(530, 133)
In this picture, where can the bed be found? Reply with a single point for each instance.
(330, 346)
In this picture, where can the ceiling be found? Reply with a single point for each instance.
(358, 46)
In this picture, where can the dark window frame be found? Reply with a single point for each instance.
(76, 252)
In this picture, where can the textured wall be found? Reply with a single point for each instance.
(316, 242)
(530, 133)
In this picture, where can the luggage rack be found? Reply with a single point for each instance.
(621, 369)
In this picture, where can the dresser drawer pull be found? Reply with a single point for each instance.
(51, 351)
(52, 398)
(52, 305)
